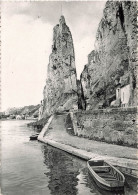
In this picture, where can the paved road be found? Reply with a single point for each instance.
(57, 132)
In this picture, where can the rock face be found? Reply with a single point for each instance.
(60, 92)
(113, 62)
(109, 78)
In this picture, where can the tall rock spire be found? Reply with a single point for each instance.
(60, 92)
(62, 20)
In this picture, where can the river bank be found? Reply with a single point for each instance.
(24, 161)
(54, 133)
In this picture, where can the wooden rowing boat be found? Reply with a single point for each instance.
(34, 137)
(106, 175)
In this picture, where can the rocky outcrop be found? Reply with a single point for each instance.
(113, 62)
(109, 78)
(60, 92)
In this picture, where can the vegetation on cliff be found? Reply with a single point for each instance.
(38, 125)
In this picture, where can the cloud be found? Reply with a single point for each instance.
(46, 11)
(75, 12)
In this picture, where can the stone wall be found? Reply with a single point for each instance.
(113, 125)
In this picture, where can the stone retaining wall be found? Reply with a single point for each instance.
(110, 125)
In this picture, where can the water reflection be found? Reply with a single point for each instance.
(69, 175)
(130, 186)
(63, 173)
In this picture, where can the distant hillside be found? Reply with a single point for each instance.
(26, 110)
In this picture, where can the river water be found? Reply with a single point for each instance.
(33, 168)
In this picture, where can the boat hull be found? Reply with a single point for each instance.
(34, 137)
(102, 183)
(104, 187)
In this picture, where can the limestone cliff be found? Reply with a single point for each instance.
(113, 62)
(60, 92)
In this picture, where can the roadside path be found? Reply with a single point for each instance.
(55, 134)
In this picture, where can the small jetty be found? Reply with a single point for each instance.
(106, 175)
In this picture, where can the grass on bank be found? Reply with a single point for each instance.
(38, 125)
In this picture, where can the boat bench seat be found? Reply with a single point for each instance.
(101, 168)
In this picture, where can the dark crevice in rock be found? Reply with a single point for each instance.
(81, 98)
(120, 14)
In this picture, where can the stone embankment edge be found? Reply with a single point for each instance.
(128, 166)
(45, 128)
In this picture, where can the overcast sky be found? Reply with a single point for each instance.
(27, 30)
